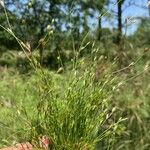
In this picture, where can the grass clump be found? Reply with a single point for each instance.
(73, 118)
(72, 110)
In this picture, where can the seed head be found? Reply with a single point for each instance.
(48, 27)
(2, 3)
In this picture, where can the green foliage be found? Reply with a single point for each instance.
(141, 36)
(74, 115)
(15, 59)
(76, 111)
(6, 40)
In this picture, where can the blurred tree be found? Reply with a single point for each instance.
(7, 41)
(97, 7)
(142, 35)
(119, 16)
(148, 3)
(36, 16)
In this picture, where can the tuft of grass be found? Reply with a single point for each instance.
(72, 110)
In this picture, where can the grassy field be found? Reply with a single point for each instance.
(94, 105)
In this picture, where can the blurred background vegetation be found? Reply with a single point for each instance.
(71, 21)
